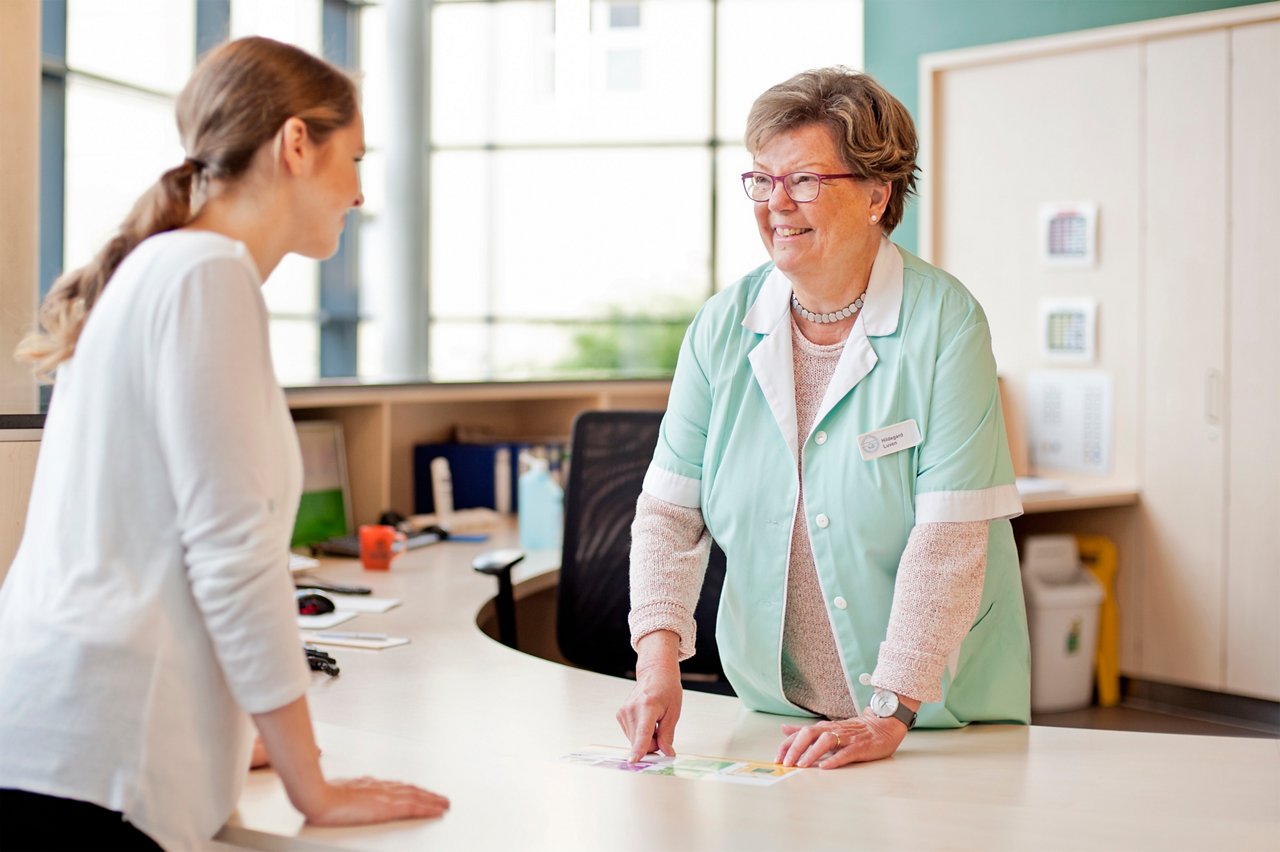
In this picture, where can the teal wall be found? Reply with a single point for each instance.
(897, 32)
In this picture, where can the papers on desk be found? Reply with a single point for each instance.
(694, 767)
(298, 562)
(324, 622)
(347, 608)
(362, 603)
(372, 641)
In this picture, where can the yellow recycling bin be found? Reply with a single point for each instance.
(1099, 555)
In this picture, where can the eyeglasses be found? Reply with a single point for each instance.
(800, 187)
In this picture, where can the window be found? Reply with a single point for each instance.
(93, 87)
(582, 171)
(624, 15)
(582, 161)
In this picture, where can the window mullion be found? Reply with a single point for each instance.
(213, 24)
(339, 294)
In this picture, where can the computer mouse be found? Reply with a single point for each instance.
(313, 603)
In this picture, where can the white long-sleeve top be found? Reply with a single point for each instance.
(149, 607)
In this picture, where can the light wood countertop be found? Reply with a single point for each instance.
(462, 715)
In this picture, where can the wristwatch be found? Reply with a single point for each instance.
(885, 704)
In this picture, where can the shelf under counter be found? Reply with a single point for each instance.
(1067, 493)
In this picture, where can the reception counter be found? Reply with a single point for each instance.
(458, 713)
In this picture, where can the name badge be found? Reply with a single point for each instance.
(889, 440)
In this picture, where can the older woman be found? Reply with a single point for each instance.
(834, 424)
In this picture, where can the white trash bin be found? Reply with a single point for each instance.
(1062, 614)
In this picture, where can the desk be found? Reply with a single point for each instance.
(460, 714)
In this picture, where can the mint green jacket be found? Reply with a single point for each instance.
(919, 351)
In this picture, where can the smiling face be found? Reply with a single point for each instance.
(332, 190)
(824, 246)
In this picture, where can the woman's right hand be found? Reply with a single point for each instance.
(649, 716)
(361, 801)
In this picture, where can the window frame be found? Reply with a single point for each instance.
(712, 145)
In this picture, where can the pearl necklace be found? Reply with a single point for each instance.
(844, 313)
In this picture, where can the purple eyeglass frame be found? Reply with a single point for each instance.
(774, 184)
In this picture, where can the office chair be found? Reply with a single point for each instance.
(610, 452)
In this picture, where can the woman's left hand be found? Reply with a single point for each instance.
(831, 744)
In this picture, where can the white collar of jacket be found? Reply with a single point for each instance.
(879, 316)
(771, 359)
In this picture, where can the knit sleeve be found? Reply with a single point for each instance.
(935, 598)
(670, 547)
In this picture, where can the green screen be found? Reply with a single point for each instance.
(320, 516)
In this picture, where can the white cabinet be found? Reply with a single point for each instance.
(1253, 353)
(1002, 124)
(1211, 455)
(1184, 254)
(1171, 127)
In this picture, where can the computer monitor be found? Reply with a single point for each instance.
(325, 508)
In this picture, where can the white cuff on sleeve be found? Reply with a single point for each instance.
(674, 488)
(997, 503)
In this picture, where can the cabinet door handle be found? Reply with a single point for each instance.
(1213, 397)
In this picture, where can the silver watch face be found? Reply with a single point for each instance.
(884, 703)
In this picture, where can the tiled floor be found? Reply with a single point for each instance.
(1135, 716)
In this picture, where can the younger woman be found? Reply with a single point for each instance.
(149, 612)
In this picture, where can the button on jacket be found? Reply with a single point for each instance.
(919, 350)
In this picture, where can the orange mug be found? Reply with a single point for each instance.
(378, 546)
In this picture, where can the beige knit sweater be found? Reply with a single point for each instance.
(936, 595)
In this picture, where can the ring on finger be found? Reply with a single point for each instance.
(836, 734)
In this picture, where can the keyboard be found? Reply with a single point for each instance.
(349, 545)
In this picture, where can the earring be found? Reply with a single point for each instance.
(875, 219)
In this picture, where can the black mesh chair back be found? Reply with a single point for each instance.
(610, 452)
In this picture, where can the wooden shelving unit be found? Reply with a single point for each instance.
(382, 423)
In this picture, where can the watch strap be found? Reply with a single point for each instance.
(905, 715)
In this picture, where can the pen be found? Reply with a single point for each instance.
(372, 637)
